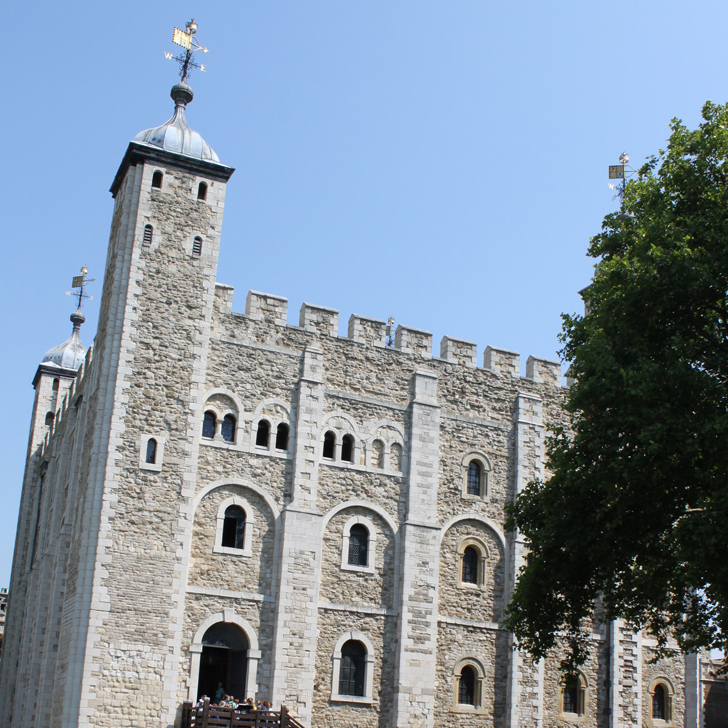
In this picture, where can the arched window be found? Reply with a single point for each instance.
(329, 445)
(209, 423)
(148, 232)
(49, 418)
(573, 695)
(352, 669)
(197, 247)
(395, 457)
(56, 384)
(466, 686)
(282, 436)
(157, 178)
(347, 448)
(233, 529)
(377, 454)
(471, 559)
(474, 478)
(228, 428)
(262, 437)
(359, 545)
(202, 191)
(151, 454)
(659, 702)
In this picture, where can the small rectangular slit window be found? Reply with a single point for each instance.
(197, 247)
(148, 230)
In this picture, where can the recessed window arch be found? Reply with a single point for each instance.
(329, 445)
(197, 247)
(262, 435)
(49, 418)
(202, 191)
(468, 678)
(472, 557)
(377, 459)
(661, 695)
(157, 178)
(282, 432)
(395, 457)
(476, 470)
(359, 545)
(347, 448)
(209, 425)
(227, 430)
(56, 384)
(353, 673)
(234, 531)
(233, 528)
(573, 695)
(148, 234)
(151, 452)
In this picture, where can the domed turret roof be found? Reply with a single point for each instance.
(175, 136)
(70, 354)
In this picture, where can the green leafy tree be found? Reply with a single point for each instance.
(634, 511)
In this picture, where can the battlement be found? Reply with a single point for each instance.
(324, 321)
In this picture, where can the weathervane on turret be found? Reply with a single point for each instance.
(186, 39)
(78, 286)
(620, 171)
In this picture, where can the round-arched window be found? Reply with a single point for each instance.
(352, 669)
(228, 428)
(659, 703)
(471, 557)
(233, 528)
(466, 686)
(209, 423)
(358, 545)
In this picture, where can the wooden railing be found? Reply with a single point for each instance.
(208, 716)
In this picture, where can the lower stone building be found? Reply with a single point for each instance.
(220, 500)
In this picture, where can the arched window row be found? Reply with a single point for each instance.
(344, 448)
(226, 428)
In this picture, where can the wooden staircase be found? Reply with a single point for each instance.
(207, 716)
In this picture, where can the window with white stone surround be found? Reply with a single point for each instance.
(240, 533)
(476, 470)
(359, 545)
(151, 452)
(472, 555)
(467, 683)
(352, 676)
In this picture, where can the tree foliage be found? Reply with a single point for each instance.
(635, 510)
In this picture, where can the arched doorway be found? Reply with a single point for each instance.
(224, 659)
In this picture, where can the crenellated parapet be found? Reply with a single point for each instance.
(323, 321)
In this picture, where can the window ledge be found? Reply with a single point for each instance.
(475, 498)
(471, 587)
(232, 551)
(572, 717)
(469, 709)
(361, 569)
(155, 467)
(358, 699)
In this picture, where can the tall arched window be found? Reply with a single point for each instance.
(209, 423)
(262, 437)
(474, 478)
(395, 457)
(352, 669)
(471, 558)
(233, 529)
(49, 418)
(347, 448)
(377, 454)
(466, 686)
(151, 454)
(56, 384)
(573, 695)
(202, 191)
(282, 436)
(659, 703)
(359, 545)
(148, 232)
(329, 445)
(157, 178)
(228, 428)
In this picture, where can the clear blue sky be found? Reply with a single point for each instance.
(444, 163)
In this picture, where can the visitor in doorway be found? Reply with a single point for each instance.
(219, 693)
(266, 707)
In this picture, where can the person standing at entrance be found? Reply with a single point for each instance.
(219, 693)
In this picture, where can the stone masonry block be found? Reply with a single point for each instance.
(319, 319)
(502, 361)
(413, 341)
(543, 370)
(367, 330)
(459, 351)
(224, 297)
(267, 308)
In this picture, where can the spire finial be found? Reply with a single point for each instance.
(186, 39)
(79, 283)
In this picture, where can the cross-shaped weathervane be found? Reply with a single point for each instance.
(186, 39)
(79, 284)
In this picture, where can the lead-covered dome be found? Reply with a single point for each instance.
(175, 136)
(71, 353)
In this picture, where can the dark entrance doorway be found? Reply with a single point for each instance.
(224, 659)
